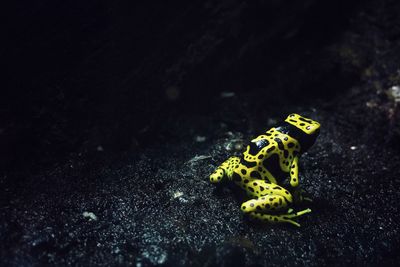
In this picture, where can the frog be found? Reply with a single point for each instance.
(268, 170)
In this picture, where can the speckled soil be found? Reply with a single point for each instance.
(120, 177)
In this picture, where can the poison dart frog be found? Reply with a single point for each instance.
(263, 168)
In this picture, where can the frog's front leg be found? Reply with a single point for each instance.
(294, 181)
(294, 172)
(224, 170)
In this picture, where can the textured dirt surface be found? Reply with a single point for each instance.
(97, 173)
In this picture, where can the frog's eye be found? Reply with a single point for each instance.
(291, 115)
(308, 127)
(253, 149)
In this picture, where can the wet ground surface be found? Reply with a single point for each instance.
(158, 207)
(151, 203)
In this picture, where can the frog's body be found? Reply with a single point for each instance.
(263, 167)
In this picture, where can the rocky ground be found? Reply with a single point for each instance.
(106, 152)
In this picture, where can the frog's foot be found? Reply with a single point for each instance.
(279, 218)
(264, 203)
(224, 170)
(217, 175)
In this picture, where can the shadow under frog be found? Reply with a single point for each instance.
(263, 167)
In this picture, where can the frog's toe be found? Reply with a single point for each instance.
(249, 206)
(292, 214)
(307, 199)
(286, 218)
(217, 176)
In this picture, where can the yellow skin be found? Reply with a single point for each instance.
(267, 161)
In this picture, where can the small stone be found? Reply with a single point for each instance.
(200, 139)
(371, 104)
(89, 215)
(227, 94)
(238, 146)
(395, 93)
(178, 194)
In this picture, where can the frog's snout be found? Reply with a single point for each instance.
(217, 176)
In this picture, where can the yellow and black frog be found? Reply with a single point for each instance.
(263, 168)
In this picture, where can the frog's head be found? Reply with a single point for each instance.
(305, 130)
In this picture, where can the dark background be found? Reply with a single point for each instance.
(93, 72)
(103, 101)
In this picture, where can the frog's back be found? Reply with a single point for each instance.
(271, 154)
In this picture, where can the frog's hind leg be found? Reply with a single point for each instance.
(259, 208)
(224, 170)
(265, 203)
(279, 218)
